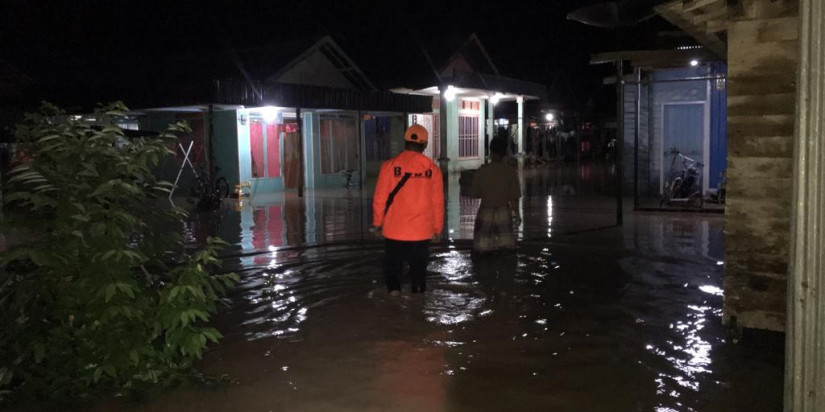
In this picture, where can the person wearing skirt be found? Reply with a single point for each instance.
(496, 183)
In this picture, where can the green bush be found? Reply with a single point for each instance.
(97, 295)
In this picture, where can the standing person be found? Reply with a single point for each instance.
(496, 183)
(408, 209)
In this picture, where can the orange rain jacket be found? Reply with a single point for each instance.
(417, 212)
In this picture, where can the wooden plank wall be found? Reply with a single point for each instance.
(762, 60)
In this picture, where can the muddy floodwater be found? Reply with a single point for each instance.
(584, 317)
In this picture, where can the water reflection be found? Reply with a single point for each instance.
(623, 319)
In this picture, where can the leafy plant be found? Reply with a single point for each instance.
(98, 296)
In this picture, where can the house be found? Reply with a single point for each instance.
(675, 99)
(760, 41)
(295, 125)
(465, 90)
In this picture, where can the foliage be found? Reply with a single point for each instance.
(98, 297)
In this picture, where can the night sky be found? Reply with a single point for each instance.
(72, 47)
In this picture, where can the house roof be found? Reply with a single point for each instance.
(474, 53)
(186, 77)
(707, 20)
(239, 92)
(335, 54)
(467, 66)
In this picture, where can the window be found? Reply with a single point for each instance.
(265, 149)
(469, 105)
(432, 123)
(468, 136)
(339, 144)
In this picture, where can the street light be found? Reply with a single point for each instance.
(549, 117)
(694, 63)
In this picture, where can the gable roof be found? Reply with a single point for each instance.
(471, 56)
(339, 59)
(187, 77)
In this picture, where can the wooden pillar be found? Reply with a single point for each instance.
(362, 152)
(520, 148)
(805, 333)
(619, 149)
(638, 126)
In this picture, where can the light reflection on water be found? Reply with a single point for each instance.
(548, 314)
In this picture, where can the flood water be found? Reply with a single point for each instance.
(584, 317)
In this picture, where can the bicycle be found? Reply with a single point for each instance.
(207, 192)
(347, 174)
(684, 185)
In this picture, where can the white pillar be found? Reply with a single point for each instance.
(805, 335)
(491, 133)
(520, 150)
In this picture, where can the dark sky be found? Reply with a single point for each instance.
(63, 43)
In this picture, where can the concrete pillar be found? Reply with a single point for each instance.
(520, 148)
(805, 332)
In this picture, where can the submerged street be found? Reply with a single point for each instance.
(584, 316)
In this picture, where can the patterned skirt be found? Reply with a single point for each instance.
(493, 231)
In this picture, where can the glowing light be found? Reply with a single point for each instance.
(450, 93)
(549, 117)
(269, 113)
(496, 98)
(694, 62)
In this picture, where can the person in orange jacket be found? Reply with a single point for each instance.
(408, 209)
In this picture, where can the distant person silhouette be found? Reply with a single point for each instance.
(497, 184)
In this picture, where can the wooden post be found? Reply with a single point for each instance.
(520, 149)
(362, 158)
(636, 138)
(805, 337)
(210, 152)
(619, 140)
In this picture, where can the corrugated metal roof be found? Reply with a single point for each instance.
(233, 91)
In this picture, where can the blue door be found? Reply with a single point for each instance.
(683, 129)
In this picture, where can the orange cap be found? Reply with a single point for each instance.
(416, 134)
